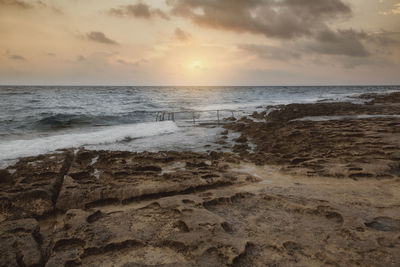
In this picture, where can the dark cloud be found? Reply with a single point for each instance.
(17, 57)
(138, 10)
(15, 3)
(181, 35)
(348, 43)
(271, 52)
(56, 10)
(80, 58)
(51, 54)
(303, 26)
(352, 43)
(132, 63)
(121, 61)
(384, 38)
(25, 5)
(284, 19)
(341, 42)
(100, 38)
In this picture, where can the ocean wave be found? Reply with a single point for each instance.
(112, 134)
(64, 121)
(60, 121)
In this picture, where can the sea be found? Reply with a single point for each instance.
(43, 119)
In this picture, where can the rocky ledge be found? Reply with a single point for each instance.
(98, 207)
(297, 192)
(342, 140)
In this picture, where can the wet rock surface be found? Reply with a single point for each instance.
(342, 147)
(310, 193)
(384, 99)
(296, 111)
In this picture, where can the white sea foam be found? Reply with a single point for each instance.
(24, 148)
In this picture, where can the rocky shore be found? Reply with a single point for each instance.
(304, 185)
(342, 140)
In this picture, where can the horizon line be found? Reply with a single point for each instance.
(111, 85)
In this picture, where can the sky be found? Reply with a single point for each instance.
(199, 42)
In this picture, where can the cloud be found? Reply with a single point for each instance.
(17, 57)
(342, 42)
(394, 11)
(271, 52)
(80, 58)
(100, 38)
(285, 19)
(384, 38)
(138, 10)
(181, 35)
(15, 3)
(352, 43)
(56, 10)
(25, 5)
(135, 63)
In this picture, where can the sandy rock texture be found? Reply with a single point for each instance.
(31, 187)
(104, 178)
(117, 208)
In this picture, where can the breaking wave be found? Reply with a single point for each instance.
(112, 134)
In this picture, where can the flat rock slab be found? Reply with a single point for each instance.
(102, 178)
(174, 230)
(226, 227)
(30, 187)
(20, 243)
(63, 192)
(288, 230)
(190, 209)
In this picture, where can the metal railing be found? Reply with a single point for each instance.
(191, 114)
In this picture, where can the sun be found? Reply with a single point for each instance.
(195, 64)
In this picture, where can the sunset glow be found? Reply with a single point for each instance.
(195, 65)
(163, 42)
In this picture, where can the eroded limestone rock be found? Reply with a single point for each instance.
(99, 178)
(30, 187)
(20, 243)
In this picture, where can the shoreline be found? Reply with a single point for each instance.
(308, 193)
(37, 129)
